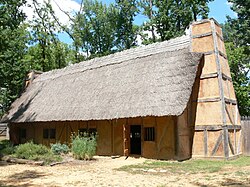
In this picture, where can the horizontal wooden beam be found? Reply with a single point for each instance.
(201, 21)
(210, 75)
(206, 21)
(205, 100)
(215, 127)
(202, 35)
(212, 52)
(208, 53)
(231, 101)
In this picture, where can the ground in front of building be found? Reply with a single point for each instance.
(105, 171)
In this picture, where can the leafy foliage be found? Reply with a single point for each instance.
(239, 65)
(242, 21)
(13, 38)
(126, 31)
(6, 147)
(83, 146)
(59, 148)
(48, 52)
(100, 29)
(170, 18)
(93, 29)
(30, 150)
(45, 52)
(33, 151)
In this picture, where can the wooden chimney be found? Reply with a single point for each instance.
(217, 121)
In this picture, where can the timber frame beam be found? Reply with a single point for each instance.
(216, 127)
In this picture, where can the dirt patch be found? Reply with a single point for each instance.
(103, 172)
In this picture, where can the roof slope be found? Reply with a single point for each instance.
(153, 80)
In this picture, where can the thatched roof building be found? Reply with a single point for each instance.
(168, 100)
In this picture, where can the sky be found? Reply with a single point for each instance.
(219, 9)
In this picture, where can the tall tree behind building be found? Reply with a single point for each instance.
(170, 18)
(47, 52)
(126, 31)
(13, 38)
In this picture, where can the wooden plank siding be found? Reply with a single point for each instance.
(217, 122)
(246, 135)
(111, 138)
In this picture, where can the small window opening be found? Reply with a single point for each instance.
(149, 134)
(22, 133)
(49, 133)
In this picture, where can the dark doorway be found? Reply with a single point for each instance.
(135, 139)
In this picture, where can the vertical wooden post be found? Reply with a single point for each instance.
(126, 139)
(235, 142)
(112, 136)
(142, 136)
(221, 89)
(205, 143)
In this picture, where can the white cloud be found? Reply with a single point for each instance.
(229, 4)
(69, 6)
(146, 35)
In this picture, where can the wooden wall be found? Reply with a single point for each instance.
(164, 145)
(111, 135)
(217, 120)
(246, 135)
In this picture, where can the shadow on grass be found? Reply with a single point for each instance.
(22, 179)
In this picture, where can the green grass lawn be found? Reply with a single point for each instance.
(190, 166)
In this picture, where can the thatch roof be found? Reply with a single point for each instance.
(153, 80)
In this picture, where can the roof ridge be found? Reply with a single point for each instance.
(134, 53)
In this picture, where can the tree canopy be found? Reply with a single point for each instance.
(13, 39)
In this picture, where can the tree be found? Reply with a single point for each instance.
(43, 35)
(239, 66)
(72, 31)
(147, 30)
(47, 52)
(199, 8)
(242, 21)
(172, 17)
(13, 39)
(95, 28)
(60, 56)
(126, 31)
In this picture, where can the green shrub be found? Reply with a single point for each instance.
(47, 158)
(59, 148)
(6, 147)
(29, 150)
(36, 152)
(84, 146)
